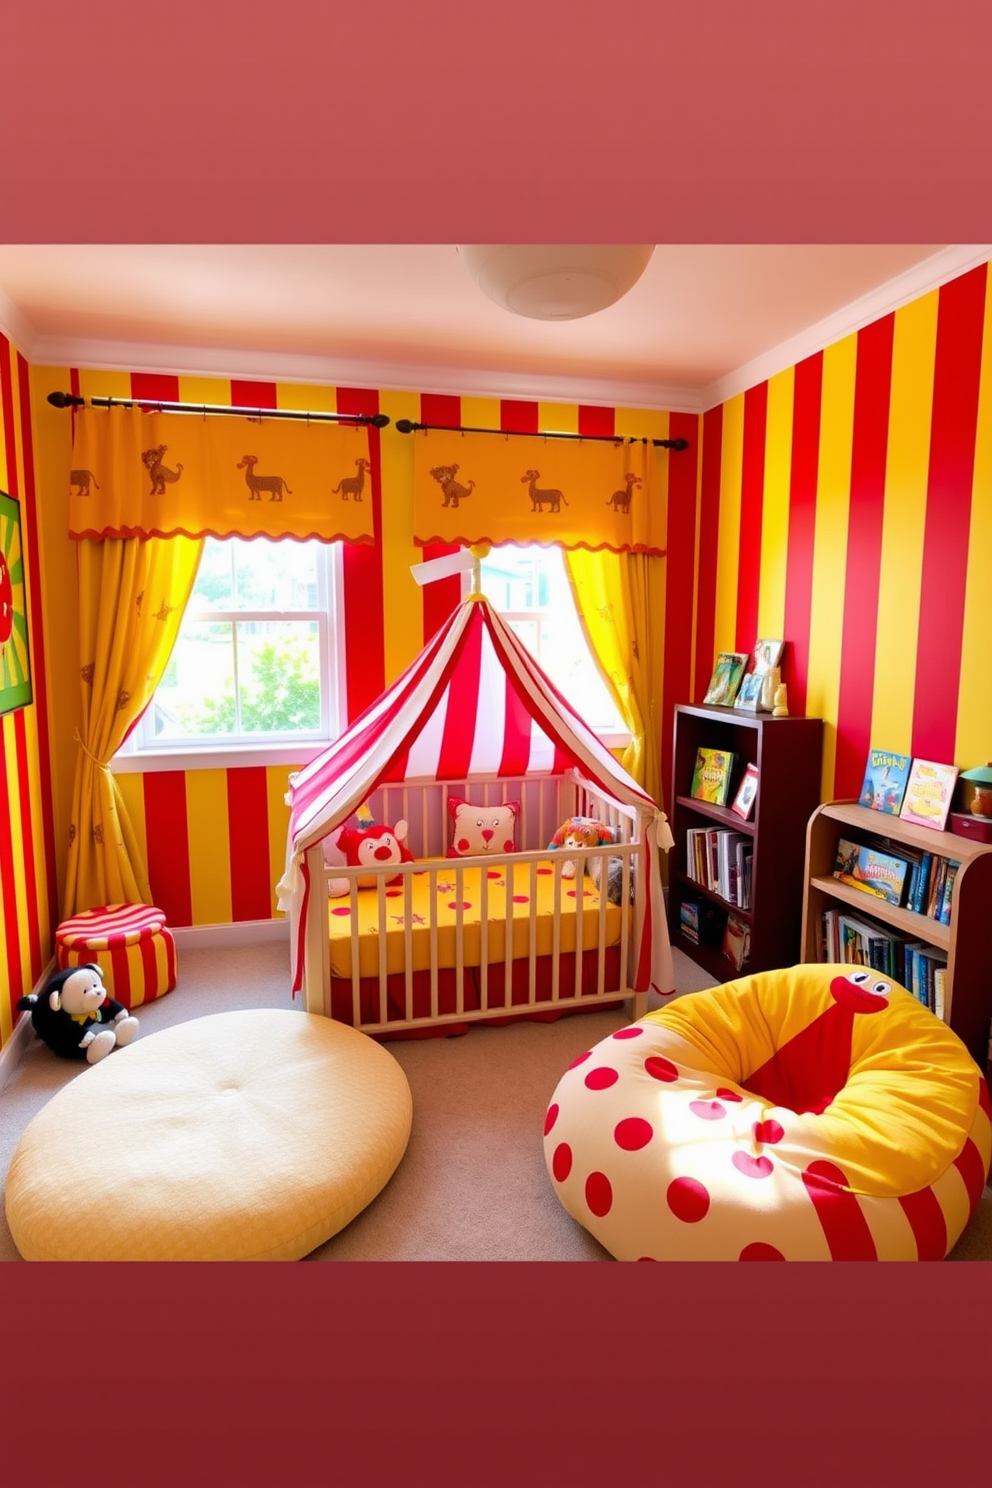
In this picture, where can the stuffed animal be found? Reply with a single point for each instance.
(74, 1016)
(370, 843)
(577, 833)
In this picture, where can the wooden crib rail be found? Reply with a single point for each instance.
(520, 870)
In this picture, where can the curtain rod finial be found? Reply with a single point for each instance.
(65, 400)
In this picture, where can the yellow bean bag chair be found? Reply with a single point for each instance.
(813, 1113)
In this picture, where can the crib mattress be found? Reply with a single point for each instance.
(524, 888)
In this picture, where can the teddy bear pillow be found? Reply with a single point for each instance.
(481, 830)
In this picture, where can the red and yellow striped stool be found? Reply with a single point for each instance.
(130, 943)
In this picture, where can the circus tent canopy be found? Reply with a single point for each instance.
(473, 703)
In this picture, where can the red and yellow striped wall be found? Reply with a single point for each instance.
(846, 505)
(27, 844)
(215, 839)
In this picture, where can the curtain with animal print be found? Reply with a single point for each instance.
(593, 494)
(147, 474)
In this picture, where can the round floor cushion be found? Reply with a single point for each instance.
(811, 1113)
(251, 1135)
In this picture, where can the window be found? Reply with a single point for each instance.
(530, 589)
(253, 662)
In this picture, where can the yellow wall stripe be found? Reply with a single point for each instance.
(402, 597)
(973, 741)
(775, 504)
(276, 786)
(833, 500)
(209, 847)
(903, 522)
(731, 469)
(133, 792)
(14, 787)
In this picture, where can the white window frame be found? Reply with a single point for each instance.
(142, 752)
(612, 738)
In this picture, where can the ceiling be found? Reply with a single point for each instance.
(703, 323)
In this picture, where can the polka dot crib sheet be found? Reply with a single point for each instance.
(455, 899)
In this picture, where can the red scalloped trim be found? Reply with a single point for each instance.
(468, 542)
(144, 532)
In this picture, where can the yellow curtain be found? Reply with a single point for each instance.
(132, 594)
(620, 601)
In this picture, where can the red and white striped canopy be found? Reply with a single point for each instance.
(473, 703)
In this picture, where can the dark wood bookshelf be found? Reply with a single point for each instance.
(788, 753)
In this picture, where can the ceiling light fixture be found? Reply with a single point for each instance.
(555, 281)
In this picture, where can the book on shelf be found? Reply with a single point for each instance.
(765, 656)
(927, 799)
(711, 776)
(698, 921)
(885, 780)
(726, 678)
(736, 941)
(720, 859)
(870, 870)
(743, 802)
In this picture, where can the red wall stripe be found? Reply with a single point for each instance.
(8, 870)
(39, 672)
(681, 548)
(709, 533)
(365, 643)
(247, 814)
(155, 386)
(519, 417)
(443, 597)
(807, 395)
(27, 846)
(872, 385)
(957, 365)
(167, 839)
(597, 422)
(752, 501)
(253, 394)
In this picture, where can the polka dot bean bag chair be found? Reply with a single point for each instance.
(813, 1113)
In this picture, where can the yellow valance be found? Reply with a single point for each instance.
(581, 493)
(137, 474)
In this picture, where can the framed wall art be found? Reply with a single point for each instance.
(15, 664)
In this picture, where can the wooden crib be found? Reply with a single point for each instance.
(442, 942)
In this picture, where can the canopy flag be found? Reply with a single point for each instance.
(594, 494)
(141, 474)
(473, 703)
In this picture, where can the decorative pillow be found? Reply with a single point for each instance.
(369, 843)
(481, 829)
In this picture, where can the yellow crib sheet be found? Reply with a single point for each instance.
(446, 898)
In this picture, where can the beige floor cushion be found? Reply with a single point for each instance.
(241, 1136)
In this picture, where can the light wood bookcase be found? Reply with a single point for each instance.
(967, 939)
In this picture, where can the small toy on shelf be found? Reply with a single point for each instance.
(74, 1017)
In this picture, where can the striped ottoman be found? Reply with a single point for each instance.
(131, 945)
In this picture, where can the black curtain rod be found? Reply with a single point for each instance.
(72, 400)
(405, 426)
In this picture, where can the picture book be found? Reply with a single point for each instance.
(743, 802)
(726, 678)
(736, 941)
(929, 789)
(885, 779)
(765, 655)
(711, 776)
(871, 871)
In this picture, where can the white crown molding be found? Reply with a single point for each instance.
(17, 327)
(124, 356)
(286, 367)
(929, 274)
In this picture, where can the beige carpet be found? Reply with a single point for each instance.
(472, 1185)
